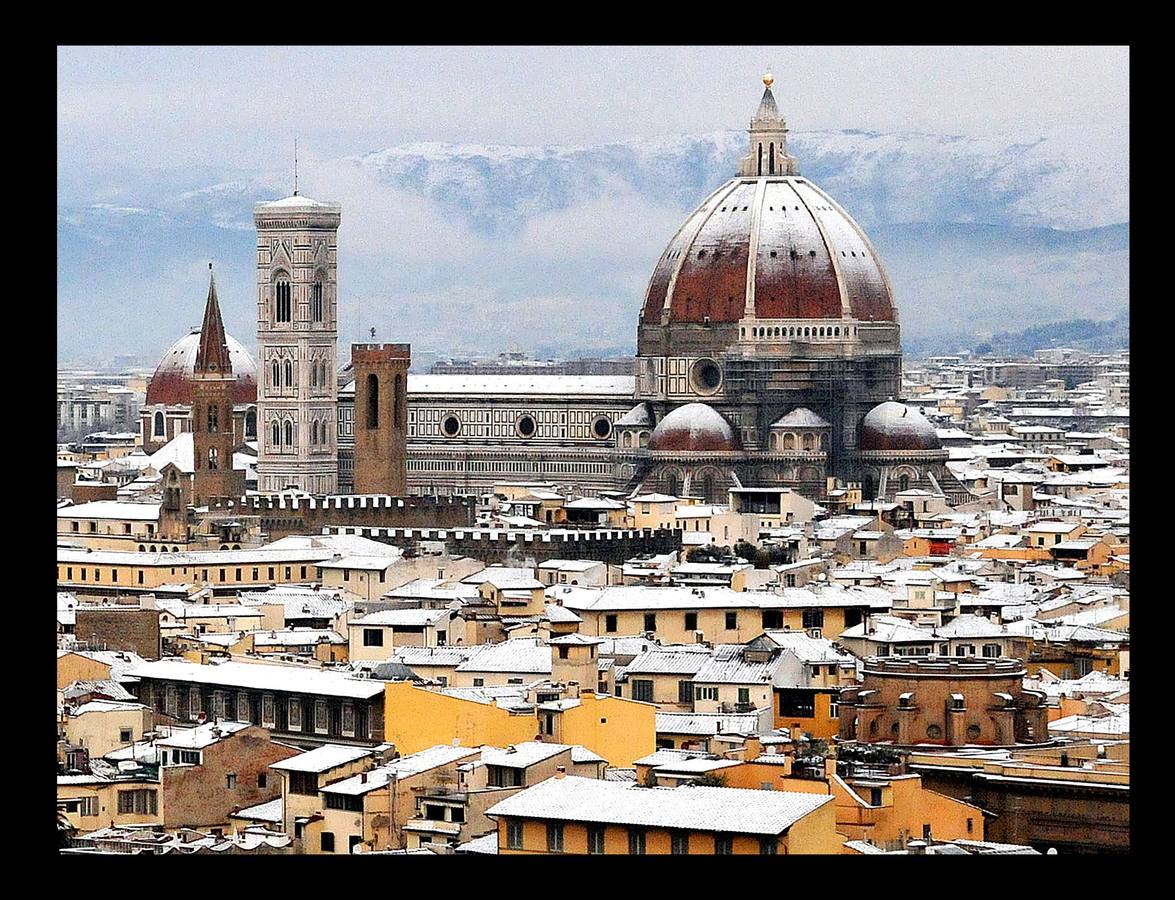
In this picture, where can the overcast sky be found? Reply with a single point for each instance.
(242, 106)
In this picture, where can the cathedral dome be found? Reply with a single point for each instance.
(895, 426)
(694, 426)
(768, 243)
(173, 378)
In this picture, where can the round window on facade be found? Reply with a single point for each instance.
(972, 732)
(705, 376)
(526, 427)
(933, 732)
(602, 427)
(451, 426)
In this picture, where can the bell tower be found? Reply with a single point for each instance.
(213, 438)
(297, 332)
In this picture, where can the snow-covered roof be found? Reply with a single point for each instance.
(522, 755)
(111, 509)
(204, 735)
(321, 759)
(736, 810)
(619, 387)
(526, 655)
(263, 677)
(403, 618)
(404, 767)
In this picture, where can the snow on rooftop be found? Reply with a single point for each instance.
(263, 677)
(736, 810)
(321, 759)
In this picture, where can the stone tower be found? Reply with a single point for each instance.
(213, 439)
(173, 511)
(297, 331)
(381, 417)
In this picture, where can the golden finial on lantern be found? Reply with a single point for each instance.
(768, 79)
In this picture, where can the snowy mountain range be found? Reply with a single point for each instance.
(483, 248)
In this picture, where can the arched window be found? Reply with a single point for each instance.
(773, 441)
(213, 418)
(277, 434)
(314, 432)
(289, 433)
(314, 374)
(281, 293)
(789, 442)
(809, 442)
(626, 441)
(398, 419)
(644, 438)
(822, 443)
(760, 172)
(213, 459)
(671, 484)
(289, 374)
(903, 482)
(251, 424)
(771, 157)
(836, 332)
(316, 300)
(277, 379)
(807, 332)
(372, 401)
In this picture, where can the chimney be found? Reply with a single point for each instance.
(561, 772)
(363, 778)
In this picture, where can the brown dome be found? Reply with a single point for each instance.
(172, 381)
(694, 426)
(812, 261)
(895, 426)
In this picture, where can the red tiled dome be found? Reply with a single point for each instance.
(811, 260)
(694, 426)
(172, 381)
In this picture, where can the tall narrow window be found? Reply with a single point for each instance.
(289, 434)
(398, 413)
(213, 418)
(904, 483)
(314, 432)
(771, 158)
(316, 302)
(213, 459)
(277, 434)
(282, 293)
(760, 172)
(158, 424)
(314, 374)
(289, 374)
(276, 380)
(372, 401)
(251, 424)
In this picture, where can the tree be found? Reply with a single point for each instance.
(65, 829)
(711, 780)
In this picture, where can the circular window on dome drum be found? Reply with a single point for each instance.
(451, 426)
(933, 732)
(705, 376)
(602, 427)
(526, 427)
(973, 732)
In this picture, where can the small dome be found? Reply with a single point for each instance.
(174, 376)
(800, 418)
(895, 426)
(694, 426)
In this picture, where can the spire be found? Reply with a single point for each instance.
(212, 356)
(768, 133)
(295, 171)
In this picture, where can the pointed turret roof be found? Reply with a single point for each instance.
(212, 354)
(768, 112)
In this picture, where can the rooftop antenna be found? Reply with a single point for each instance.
(295, 165)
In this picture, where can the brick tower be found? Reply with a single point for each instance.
(381, 418)
(213, 440)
